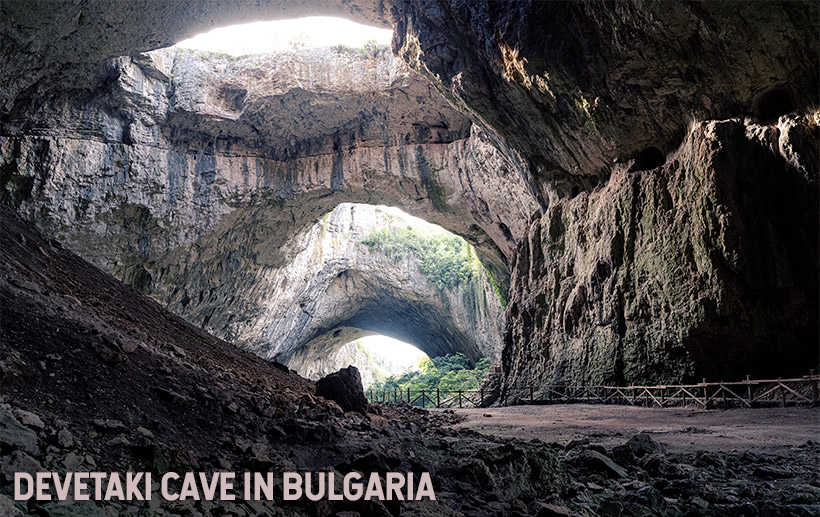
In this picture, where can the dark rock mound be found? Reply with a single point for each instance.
(345, 388)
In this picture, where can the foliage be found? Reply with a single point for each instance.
(446, 259)
(447, 373)
(498, 292)
(299, 41)
(370, 48)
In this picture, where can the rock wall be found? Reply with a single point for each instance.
(577, 87)
(186, 138)
(182, 166)
(44, 46)
(704, 267)
(175, 174)
(336, 290)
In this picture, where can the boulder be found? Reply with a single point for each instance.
(639, 446)
(17, 461)
(345, 388)
(29, 419)
(594, 460)
(65, 439)
(16, 435)
(7, 507)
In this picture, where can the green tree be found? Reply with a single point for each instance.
(447, 373)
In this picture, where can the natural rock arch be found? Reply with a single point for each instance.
(566, 92)
(336, 289)
(173, 166)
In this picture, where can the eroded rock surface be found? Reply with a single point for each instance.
(577, 87)
(705, 267)
(176, 147)
(133, 178)
(170, 171)
(336, 290)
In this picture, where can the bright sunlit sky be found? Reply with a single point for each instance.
(411, 220)
(398, 354)
(263, 37)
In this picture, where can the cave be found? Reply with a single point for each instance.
(359, 270)
(773, 104)
(648, 159)
(194, 236)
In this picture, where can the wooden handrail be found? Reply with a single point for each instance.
(632, 395)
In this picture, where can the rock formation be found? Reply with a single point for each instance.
(577, 87)
(636, 129)
(704, 267)
(336, 290)
(345, 388)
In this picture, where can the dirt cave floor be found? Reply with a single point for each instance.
(682, 430)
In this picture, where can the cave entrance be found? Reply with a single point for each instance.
(264, 37)
(377, 357)
(367, 270)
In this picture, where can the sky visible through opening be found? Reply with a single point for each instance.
(279, 35)
(392, 355)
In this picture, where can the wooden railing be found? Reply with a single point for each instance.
(746, 393)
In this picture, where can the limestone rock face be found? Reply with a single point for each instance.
(705, 267)
(177, 148)
(577, 86)
(66, 45)
(336, 290)
(316, 366)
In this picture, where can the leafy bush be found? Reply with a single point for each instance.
(446, 259)
(447, 373)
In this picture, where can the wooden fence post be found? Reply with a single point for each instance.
(422, 398)
(723, 391)
(749, 388)
(481, 400)
(459, 399)
(438, 397)
(408, 396)
(705, 394)
(782, 391)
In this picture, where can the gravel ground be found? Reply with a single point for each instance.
(680, 429)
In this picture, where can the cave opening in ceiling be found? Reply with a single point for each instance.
(365, 270)
(281, 35)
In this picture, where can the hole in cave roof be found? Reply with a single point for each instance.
(280, 35)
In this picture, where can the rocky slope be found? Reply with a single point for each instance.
(195, 403)
(704, 267)
(95, 377)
